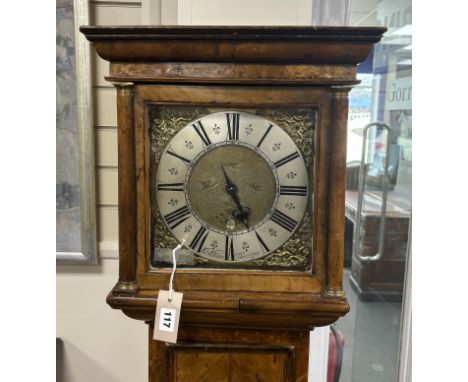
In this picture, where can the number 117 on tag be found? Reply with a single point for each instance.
(167, 319)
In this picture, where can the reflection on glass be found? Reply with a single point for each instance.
(374, 288)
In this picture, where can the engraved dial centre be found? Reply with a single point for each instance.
(231, 187)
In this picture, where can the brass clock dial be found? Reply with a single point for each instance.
(233, 185)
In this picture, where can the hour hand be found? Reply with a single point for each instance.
(242, 214)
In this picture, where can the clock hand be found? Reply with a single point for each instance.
(231, 189)
(242, 216)
(230, 186)
(243, 212)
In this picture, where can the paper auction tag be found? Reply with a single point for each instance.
(166, 321)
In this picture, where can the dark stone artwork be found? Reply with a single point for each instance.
(68, 225)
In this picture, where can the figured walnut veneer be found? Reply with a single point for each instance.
(233, 317)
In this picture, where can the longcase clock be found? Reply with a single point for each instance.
(234, 140)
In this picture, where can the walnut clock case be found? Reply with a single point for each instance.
(234, 140)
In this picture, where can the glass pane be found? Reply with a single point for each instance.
(375, 255)
(224, 240)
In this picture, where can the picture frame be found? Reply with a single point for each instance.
(76, 242)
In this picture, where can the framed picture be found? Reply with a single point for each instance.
(75, 184)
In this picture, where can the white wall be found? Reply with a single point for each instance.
(100, 344)
(244, 12)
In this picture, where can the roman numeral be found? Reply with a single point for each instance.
(293, 190)
(229, 249)
(233, 126)
(177, 217)
(283, 220)
(173, 153)
(287, 159)
(170, 187)
(262, 242)
(202, 133)
(199, 239)
(264, 136)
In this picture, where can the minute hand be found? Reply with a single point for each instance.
(231, 189)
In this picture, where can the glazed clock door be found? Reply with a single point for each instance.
(233, 185)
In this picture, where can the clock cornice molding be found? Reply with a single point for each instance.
(202, 44)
